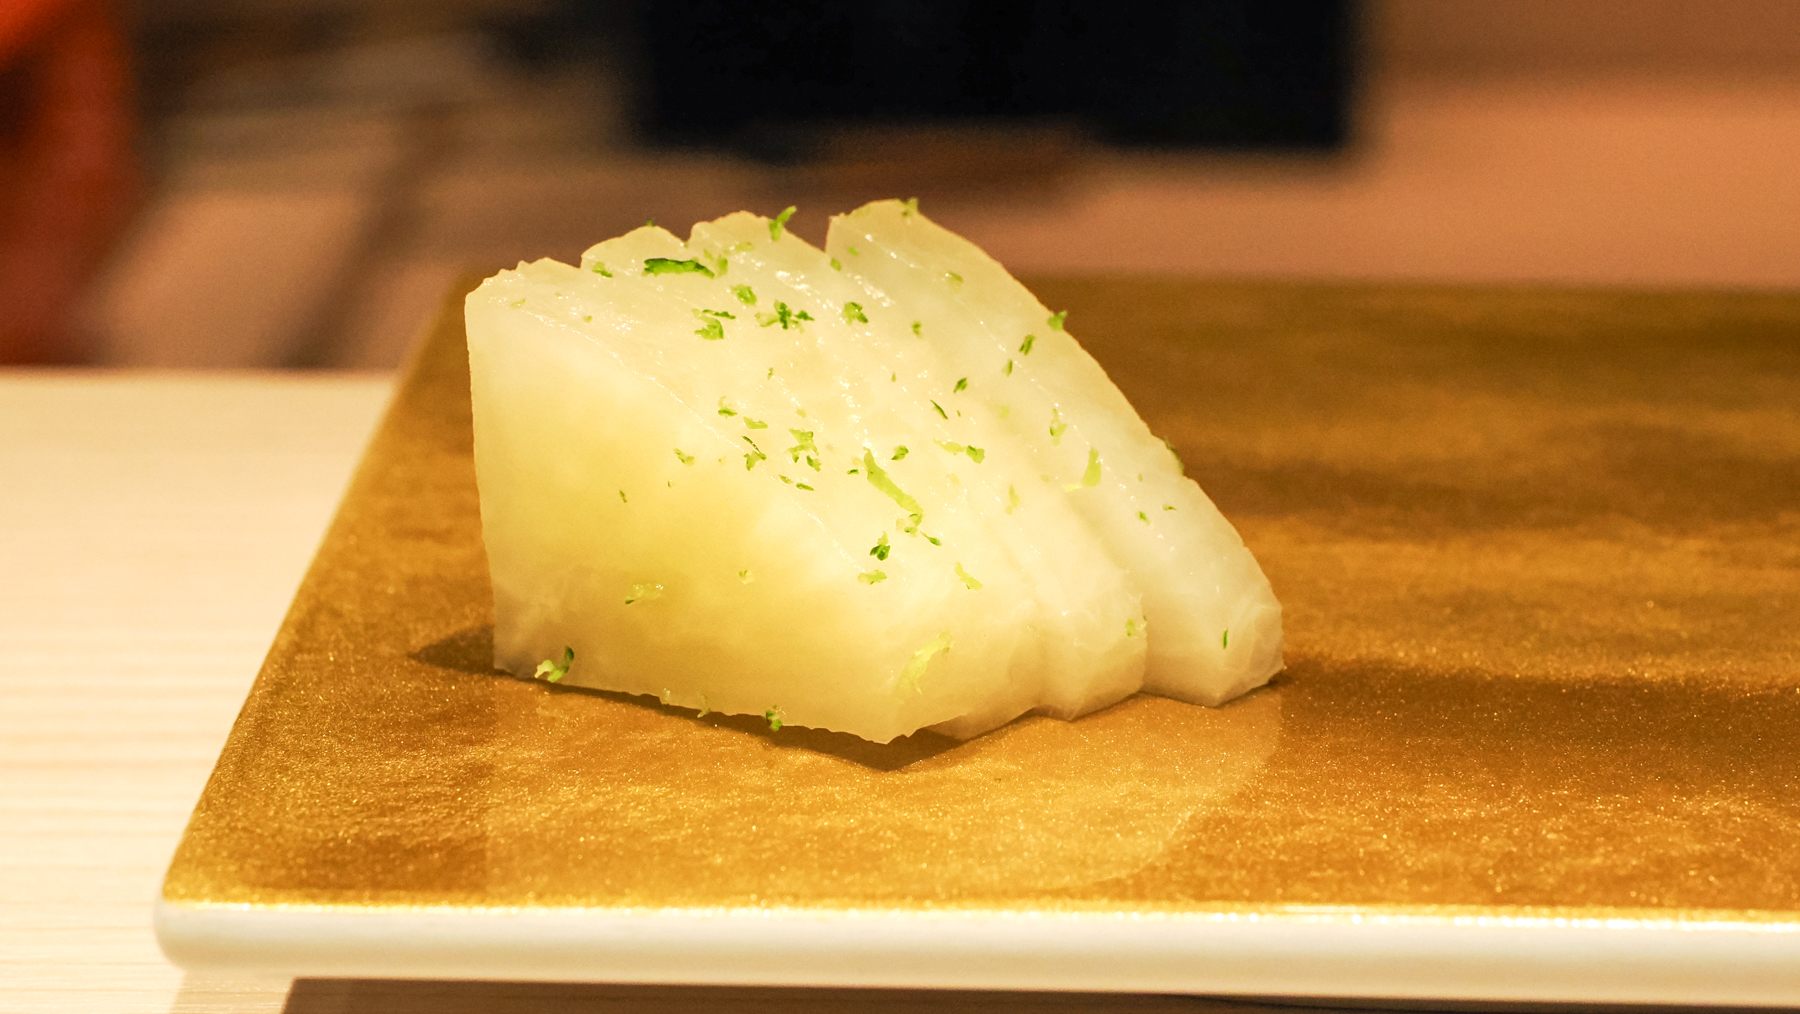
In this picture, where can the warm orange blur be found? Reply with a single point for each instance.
(67, 173)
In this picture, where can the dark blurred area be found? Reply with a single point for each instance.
(1232, 74)
(274, 183)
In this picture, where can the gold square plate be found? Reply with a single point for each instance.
(1538, 738)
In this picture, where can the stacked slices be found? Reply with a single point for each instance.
(874, 489)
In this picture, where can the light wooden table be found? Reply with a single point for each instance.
(152, 530)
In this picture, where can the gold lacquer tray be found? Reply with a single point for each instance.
(1538, 737)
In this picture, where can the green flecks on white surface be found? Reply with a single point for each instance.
(552, 671)
(671, 266)
(914, 671)
(778, 224)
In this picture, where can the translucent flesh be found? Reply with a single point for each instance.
(1214, 625)
(716, 581)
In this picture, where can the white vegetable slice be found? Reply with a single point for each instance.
(1214, 622)
(683, 487)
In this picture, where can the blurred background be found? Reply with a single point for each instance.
(298, 183)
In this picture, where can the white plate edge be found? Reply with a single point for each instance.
(1448, 958)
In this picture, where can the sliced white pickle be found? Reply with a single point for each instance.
(729, 473)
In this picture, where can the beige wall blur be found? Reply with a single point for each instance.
(1650, 143)
(1644, 143)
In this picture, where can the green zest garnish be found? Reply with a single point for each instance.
(1025, 346)
(745, 294)
(804, 486)
(837, 265)
(686, 459)
(962, 384)
(872, 576)
(915, 668)
(1168, 506)
(909, 207)
(671, 266)
(644, 592)
(940, 410)
(553, 672)
(1091, 476)
(1012, 498)
(773, 715)
(853, 251)
(754, 456)
(725, 409)
(954, 279)
(975, 454)
(622, 497)
(879, 478)
(899, 452)
(968, 579)
(1225, 638)
(881, 548)
(710, 328)
(804, 448)
(1007, 369)
(917, 325)
(754, 424)
(600, 269)
(1173, 454)
(853, 313)
(744, 576)
(779, 222)
(1057, 426)
(783, 315)
(1057, 318)
(1131, 627)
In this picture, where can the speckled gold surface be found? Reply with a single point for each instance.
(1540, 555)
